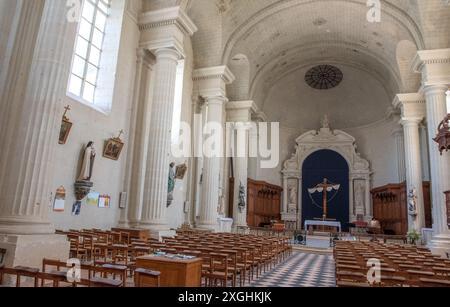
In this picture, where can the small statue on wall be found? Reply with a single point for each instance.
(412, 202)
(242, 198)
(83, 184)
(293, 195)
(171, 186)
(87, 165)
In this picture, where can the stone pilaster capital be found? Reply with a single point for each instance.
(411, 105)
(167, 54)
(165, 28)
(411, 121)
(212, 81)
(434, 65)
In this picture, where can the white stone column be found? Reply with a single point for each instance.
(435, 68)
(211, 170)
(163, 32)
(412, 108)
(241, 174)
(439, 166)
(31, 112)
(31, 119)
(158, 156)
(414, 170)
(135, 169)
(210, 84)
(240, 114)
(400, 144)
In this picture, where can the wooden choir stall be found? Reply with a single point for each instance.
(390, 207)
(264, 203)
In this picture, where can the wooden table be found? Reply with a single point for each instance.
(174, 272)
(135, 233)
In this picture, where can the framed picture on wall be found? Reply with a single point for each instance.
(113, 148)
(104, 201)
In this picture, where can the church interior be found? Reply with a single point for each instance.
(225, 143)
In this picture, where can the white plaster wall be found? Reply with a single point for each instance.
(91, 125)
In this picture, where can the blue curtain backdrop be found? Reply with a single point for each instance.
(331, 165)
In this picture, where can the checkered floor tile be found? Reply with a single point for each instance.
(301, 270)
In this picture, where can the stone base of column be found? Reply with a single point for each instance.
(25, 225)
(30, 250)
(440, 245)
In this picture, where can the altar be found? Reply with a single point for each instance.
(324, 224)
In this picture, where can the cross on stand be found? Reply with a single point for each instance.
(324, 188)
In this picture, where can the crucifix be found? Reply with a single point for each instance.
(120, 134)
(67, 109)
(325, 187)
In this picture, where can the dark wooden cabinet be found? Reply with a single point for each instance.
(390, 207)
(448, 208)
(264, 203)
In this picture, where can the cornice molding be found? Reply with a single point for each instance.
(412, 106)
(218, 72)
(429, 57)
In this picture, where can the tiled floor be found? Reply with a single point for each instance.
(301, 270)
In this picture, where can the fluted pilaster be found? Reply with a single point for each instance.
(135, 169)
(400, 144)
(211, 169)
(31, 112)
(241, 173)
(158, 156)
(414, 169)
(439, 165)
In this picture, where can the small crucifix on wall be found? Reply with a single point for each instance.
(66, 126)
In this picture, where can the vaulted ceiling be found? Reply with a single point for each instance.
(265, 42)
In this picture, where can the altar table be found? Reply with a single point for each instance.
(323, 223)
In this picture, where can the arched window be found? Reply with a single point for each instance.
(88, 49)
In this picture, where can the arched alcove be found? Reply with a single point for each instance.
(330, 165)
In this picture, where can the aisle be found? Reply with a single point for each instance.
(301, 270)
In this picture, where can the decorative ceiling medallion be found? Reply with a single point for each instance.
(324, 77)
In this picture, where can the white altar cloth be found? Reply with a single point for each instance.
(323, 223)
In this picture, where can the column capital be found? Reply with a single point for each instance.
(165, 28)
(411, 121)
(167, 53)
(411, 105)
(240, 111)
(434, 65)
(215, 99)
(212, 81)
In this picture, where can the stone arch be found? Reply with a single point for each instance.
(406, 51)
